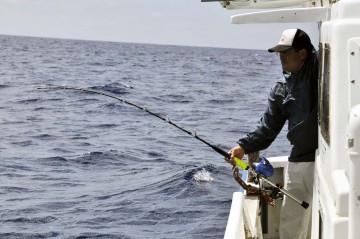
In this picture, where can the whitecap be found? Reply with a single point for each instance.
(202, 176)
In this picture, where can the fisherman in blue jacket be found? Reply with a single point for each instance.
(293, 99)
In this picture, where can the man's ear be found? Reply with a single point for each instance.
(303, 54)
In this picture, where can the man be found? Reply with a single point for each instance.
(293, 99)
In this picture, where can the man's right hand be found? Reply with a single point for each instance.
(237, 151)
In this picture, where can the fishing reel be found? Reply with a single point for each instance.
(262, 169)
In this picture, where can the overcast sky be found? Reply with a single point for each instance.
(172, 22)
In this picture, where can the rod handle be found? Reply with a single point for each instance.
(241, 163)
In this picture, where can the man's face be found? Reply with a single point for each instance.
(292, 60)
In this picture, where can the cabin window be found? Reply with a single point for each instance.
(324, 87)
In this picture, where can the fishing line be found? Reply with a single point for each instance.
(240, 163)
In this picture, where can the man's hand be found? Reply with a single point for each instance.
(238, 151)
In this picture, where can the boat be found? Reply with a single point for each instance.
(336, 199)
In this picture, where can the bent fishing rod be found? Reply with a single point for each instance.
(238, 162)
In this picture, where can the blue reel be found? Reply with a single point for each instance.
(264, 167)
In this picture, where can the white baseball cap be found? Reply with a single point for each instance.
(292, 38)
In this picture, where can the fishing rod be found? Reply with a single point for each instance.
(238, 162)
(166, 119)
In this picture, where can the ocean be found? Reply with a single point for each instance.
(80, 165)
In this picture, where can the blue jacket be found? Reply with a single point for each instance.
(293, 99)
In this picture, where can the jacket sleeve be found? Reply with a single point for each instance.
(269, 126)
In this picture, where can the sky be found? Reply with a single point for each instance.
(169, 22)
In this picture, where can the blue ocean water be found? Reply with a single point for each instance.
(78, 165)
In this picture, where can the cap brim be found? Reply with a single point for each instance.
(279, 48)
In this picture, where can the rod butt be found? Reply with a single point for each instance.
(305, 205)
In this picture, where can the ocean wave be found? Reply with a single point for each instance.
(16, 235)
(33, 220)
